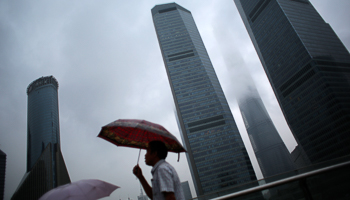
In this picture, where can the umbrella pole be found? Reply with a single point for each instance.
(138, 157)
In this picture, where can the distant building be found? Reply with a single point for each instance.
(187, 191)
(45, 165)
(142, 197)
(216, 154)
(2, 173)
(272, 154)
(299, 157)
(308, 68)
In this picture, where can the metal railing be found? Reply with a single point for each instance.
(326, 180)
(284, 181)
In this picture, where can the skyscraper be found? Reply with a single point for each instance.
(187, 191)
(308, 68)
(216, 154)
(2, 173)
(142, 196)
(272, 154)
(43, 120)
(45, 165)
(299, 157)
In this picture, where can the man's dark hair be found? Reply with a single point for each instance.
(159, 147)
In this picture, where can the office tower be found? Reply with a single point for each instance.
(308, 68)
(187, 191)
(2, 173)
(216, 154)
(299, 157)
(142, 196)
(45, 165)
(272, 154)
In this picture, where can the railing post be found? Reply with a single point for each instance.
(303, 185)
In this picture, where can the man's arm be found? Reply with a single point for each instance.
(169, 195)
(138, 173)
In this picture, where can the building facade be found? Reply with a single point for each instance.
(216, 154)
(271, 153)
(308, 68)
(299, 158)
(42, 120)
(45, 165)
(187, 191)
(142, 197)
(2, 174)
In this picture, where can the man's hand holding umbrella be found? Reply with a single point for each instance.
(138, 173)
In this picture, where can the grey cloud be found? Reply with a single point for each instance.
(106, 58)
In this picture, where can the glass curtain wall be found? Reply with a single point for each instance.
(216, 154)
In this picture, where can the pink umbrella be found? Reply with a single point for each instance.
(90, 189)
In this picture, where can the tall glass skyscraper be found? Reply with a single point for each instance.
(309, 70)
(45, 165)
(216, 154)
(270, 151)
(43, 121)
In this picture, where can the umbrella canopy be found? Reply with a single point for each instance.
(138, 133)
(90, 189)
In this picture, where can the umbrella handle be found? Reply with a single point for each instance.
(138, 157)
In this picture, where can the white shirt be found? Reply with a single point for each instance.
(165, 179)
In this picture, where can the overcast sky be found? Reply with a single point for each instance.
(106, 58)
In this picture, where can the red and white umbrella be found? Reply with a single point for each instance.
(138, 133)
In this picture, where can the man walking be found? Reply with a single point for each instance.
(165, 183)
